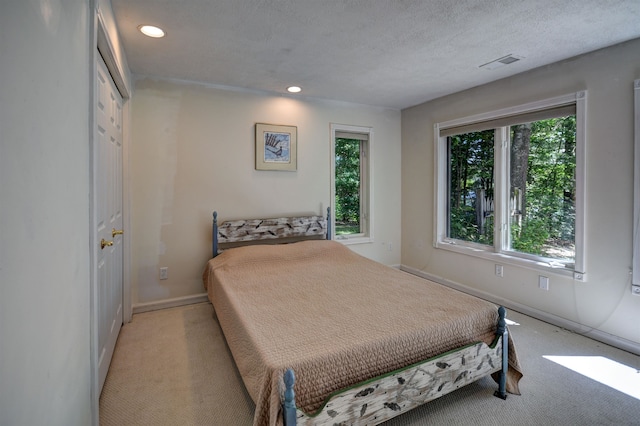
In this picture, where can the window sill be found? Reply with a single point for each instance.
(353, 240)
(539, 266)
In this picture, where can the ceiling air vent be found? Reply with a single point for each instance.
(500, 62)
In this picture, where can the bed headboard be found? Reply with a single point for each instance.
(284, 229)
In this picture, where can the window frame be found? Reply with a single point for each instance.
(500, 251)
(366, 183)
(635, 269)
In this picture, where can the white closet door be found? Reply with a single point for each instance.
(108, 202)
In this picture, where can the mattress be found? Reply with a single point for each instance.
(336, 318)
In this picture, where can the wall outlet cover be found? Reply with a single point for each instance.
(543, 282)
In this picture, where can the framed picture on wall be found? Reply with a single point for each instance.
(276, 147)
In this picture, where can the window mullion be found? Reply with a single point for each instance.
(501, 191)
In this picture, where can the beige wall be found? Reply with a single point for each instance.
(192, 152)
(44, 213)
(604, 303)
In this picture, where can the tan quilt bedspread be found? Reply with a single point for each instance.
(335, 317)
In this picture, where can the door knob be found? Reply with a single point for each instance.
(105, 243)
(115, 232)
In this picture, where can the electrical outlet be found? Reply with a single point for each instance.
(543, 282)
(499, 270)
(164, 273)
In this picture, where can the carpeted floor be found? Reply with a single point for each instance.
(172, 367)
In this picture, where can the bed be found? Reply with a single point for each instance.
(322, 335)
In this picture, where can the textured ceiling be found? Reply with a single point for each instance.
(390, 53)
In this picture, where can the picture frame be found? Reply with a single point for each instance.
(276, 147)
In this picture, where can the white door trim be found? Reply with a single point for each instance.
(101, 45)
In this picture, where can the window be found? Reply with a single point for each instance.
(510, 185)
(351, 183)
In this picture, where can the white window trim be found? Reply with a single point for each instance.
(498, 252)
(367, 189)
(635, 279)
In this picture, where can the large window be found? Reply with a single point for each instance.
(350, 152)
(510, 183)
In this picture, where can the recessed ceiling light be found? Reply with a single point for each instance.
(151, 31)
(294, 89)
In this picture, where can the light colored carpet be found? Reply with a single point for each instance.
(172, 367)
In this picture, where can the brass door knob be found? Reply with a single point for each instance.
(105, 243)
(115, 232)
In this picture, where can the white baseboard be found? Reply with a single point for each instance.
(594, 334)
(170, 303)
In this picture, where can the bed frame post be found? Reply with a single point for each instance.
(328, 223)
(504, 332)
(289, 404)
(214, 236)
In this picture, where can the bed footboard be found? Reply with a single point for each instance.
(388, 396)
